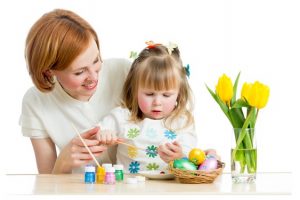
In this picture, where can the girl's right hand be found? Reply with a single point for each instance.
(75, 154)
(107, 137)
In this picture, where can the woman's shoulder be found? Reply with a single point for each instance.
(37, 98)
(32, 95)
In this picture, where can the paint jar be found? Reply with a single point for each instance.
(110, 177)
(100, 176)
(89, 176)
(119, 173)
(106, 165)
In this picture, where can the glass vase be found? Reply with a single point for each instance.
(243, 156)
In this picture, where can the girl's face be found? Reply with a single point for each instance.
(80, 79)
(157, 104)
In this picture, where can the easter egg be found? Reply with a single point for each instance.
(209, 164)
(185, 158)
(197, 156)
(184, 164)
(211, 152)
(208, 156)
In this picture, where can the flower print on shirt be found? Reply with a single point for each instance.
(134, 167)
(170, 135)
(132, 152)
(151, 133)
(152, 166)
(151, 151)
(133, 132)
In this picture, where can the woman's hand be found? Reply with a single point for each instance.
(170, 151)
(75, 154)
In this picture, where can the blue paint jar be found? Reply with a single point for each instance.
(89, 176)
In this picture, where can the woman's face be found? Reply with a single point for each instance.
(80, 79)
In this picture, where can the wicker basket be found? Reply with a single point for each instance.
(196, 176)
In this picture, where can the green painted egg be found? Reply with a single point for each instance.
(184, 164)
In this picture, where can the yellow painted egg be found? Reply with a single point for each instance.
(197, 156)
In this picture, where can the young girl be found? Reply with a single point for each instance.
(155, 116)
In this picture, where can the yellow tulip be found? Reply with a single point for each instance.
(259, 95)
(246, 91)
(224, 89)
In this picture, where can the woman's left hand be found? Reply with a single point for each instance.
(170, 151)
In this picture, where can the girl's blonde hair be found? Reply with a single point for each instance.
(155, 68)
(54, 42)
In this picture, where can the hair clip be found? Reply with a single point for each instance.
(171, 46)
(187, 70)
(151, 44)
(133, 55)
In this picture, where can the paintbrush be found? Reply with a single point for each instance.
(131, 145)
(75, 129)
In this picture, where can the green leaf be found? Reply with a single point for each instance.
(222, 105)
(240, 103)
(233, 99)
(237, 117)
(245, 125)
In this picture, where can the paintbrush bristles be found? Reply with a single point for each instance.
(85, 145)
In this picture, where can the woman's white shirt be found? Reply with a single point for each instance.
(52, 114)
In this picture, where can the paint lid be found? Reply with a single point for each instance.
(89, 168)
(118, 167)
(110, 169)
(140, 178)
(131, 180)
(106, 165)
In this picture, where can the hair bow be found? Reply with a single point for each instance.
(151, 44)
(171, 46)
(133, 55)
(187, 70)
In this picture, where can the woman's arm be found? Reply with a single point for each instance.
(73, 155)
(45, 154)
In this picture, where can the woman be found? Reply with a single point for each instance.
(64, 62)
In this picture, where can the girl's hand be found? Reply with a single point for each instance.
(212, 152)
(107, 137)
(170, 151)
(75, 154)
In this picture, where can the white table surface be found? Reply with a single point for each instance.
(266, 183)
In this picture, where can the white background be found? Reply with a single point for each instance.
(260, 38)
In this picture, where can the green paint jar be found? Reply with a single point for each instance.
(119, 173)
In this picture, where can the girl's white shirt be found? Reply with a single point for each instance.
(147, 134)
(51, 114)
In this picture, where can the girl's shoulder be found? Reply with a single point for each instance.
(182, 123)
(120, 112)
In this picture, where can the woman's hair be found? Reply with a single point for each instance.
(156, 68)
(54, 42)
